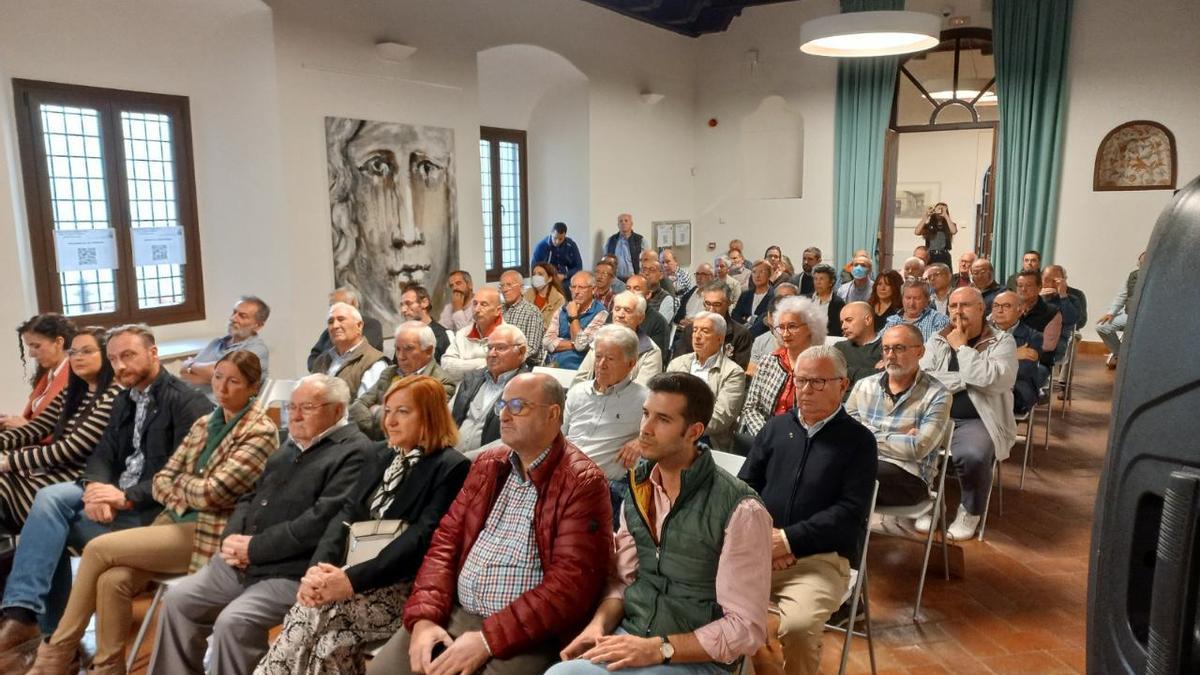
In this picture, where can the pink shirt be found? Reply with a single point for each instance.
(743, 576)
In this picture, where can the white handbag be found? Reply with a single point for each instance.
(368, 537)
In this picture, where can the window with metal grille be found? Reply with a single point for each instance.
(503, 171)
(117, 164)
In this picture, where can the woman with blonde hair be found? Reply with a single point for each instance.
(218, 461)
(413, 477)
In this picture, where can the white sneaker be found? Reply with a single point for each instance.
(964, 526)
(923, 523)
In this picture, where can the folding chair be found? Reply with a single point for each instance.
(161, 583)
(565, 377)
(1067, 372)
(730, 462)
(998, 484)
(1028, 417)
(935, 505)
(858, 591)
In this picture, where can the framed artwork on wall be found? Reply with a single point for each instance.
(1138, 155)
(914, 199)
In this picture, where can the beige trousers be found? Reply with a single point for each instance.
(805, 595)
(115, 568)
(393, 658)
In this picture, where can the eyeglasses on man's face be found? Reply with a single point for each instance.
(814, 383)
(306, 408)
(896, 349)
(498, 346)
(516, 406)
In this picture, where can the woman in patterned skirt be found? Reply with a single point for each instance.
(412, 477)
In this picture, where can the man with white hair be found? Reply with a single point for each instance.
(473, 406)
(468, 345)
(605, 412)
(372, 329)
(351, 357)
(979, 366)
(629, 310)
(725, 378)
(738, 340)
(270, 538)
(799, 324)
(815, 470)
(523, 314)
(415, 343)
(913, 268)
(691, 303)
(909, 413)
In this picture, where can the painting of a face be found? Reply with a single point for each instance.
(392, 199)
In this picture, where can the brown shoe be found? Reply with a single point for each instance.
(17, 634)
(56, 659)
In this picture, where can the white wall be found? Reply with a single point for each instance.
(1126, 63)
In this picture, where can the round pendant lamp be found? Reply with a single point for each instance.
(859, 34)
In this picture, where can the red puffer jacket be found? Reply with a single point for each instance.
(573, 527)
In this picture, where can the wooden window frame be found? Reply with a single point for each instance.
(28, 95)
(494, 268)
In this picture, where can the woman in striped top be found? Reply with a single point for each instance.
(71, 425)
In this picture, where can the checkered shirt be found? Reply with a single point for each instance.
(926, 406)
(528, 319)
(930, 322)
(765, 387)
(504, 563)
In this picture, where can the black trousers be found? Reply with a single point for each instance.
(898, 487)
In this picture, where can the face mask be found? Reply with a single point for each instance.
(858, 271)
(538, 281)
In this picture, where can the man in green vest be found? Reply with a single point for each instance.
(689, 589)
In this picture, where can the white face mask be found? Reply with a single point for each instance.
(538, 281)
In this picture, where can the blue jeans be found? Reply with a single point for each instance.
(581, 667)
(40, 580)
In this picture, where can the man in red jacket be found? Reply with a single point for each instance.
(517, 565)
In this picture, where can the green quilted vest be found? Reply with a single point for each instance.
(675, 589)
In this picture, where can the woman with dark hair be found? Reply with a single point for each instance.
(218, 461)
(939, 229)
(412, 478)
(54, 446)
(45, 338)
(886, 299)
(545, 292)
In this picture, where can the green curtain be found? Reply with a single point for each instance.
(1030, 41)
(864, 106)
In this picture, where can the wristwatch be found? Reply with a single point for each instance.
(667, 650)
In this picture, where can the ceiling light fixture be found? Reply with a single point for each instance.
(859, 34)
(968, 88)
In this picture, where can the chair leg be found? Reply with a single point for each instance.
(867, 615)
(141, 634)
(1028, 447)
(1049, 416)
(945, 548)
(855, 598)
(1000, 487)
(924, 570)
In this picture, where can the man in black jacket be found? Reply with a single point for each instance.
(270, 538)
(473, 407)
(149, 419)
(815, 470)
(626, 246)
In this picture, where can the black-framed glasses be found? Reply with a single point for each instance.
(816, 383)
(516, 406)
(896, 349)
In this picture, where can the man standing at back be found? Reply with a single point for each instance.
(626, 246)
(559, 250)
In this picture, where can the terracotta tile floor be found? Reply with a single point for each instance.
(1021, 605)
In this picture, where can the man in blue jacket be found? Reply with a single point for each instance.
(561, 251)
(815, 470)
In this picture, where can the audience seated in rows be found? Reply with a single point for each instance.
(724, 377)
(521, 558)
(350, 358)
(815, 469)
(699, 606)
(886, 297)
(473, 407)
(908, 411)
(149, 419)
(862, 349)
(54, 445)
(416, 305)
(413, 477)
(546, 292)
(916, 312)
(217, 463)
(1031, 375)
(821, 281)
(459, 310)
(468, 346)
(979, 366)
(45, 338)
(799, 324)
(249, 316)
(250, 585)
(372, 330)
(737, 344)
(519, 312)
(629, 310)
(414, 354)
(573, 329)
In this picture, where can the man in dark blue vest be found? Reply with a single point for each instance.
(692, 570)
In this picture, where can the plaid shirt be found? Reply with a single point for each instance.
(925, 406)
(765, 388)
(528, 319)
(930, 322)
(214, 490)
(504, 562)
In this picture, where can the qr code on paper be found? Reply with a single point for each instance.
(87, 256)
(158, 253)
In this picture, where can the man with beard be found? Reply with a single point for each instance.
(909, 413)
(248, 318)
(416, 305)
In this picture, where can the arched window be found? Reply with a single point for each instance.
(951, 84)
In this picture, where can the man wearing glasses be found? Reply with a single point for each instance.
(519, 561)
(250, 586)
(473, 405)
(523, 314)
(909, 413)
(738, 341)
(814, 467)
(979, 366)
